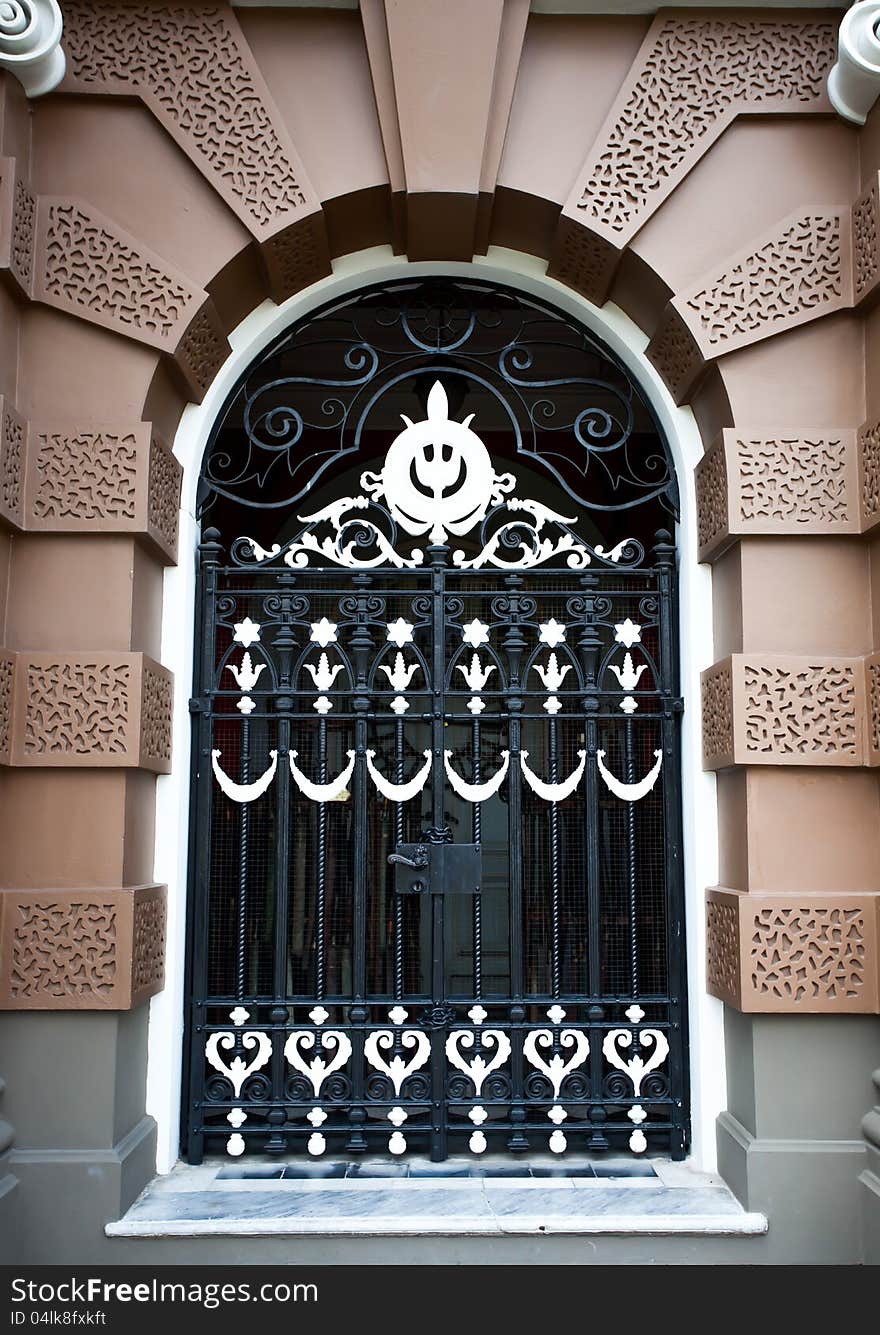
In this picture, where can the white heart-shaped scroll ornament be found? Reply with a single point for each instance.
(556, 1069)
(238, 1069)
(397, 1069)
(636, 1068)
(321, 792)
(243, 792)
(317, 1070)
(477, 1069)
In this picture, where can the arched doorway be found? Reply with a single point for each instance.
(436, 901)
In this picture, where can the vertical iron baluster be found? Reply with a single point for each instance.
(554, 868)
(210, 552)
(241, 929)
(398, 840)
(670, 780)
(437, 554)
(361, 645)
(320, 880)
(283, 645)
(514, 644)
(477, 834)
(589, 645)
(630, 818)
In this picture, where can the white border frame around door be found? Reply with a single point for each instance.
(626, 340)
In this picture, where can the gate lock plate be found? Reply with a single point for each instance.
(437, 869)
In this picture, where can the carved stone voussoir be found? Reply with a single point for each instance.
(583, 259)
(755, 482)
(674, 351)
(201, 351)
(103, 478)
(784, 710)
(797, 271)
(104, 710)
(816, 953)
(90, 267)
(81, 949)
(296, 256)
(193, 68)
(692, 76)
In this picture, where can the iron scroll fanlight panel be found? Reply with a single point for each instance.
(554, 679)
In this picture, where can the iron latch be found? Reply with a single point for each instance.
(437, 869)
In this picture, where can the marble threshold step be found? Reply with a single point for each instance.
(449, 1199)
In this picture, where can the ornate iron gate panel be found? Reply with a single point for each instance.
(436, 871)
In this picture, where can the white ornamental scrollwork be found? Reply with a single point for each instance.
(476, 792)
(238, 1070)
(556, 1069)
(553, 792)
(30, 44)
(317, 1070)
(397, 1069)
(636, 1068)
(321, 792)
(477, 1069)
(630, 792)
(400, 792)
(437, 479)
(243, 792)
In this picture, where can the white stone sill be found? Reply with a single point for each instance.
(193, 1202)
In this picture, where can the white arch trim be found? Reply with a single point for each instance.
(626, 340)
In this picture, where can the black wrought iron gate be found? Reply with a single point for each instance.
(436, 872)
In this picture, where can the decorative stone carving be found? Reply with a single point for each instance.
(865, 230)
(712, 498)
(722, 950)
(813, 952)
(202, 351)
(800, 269)
(854, 81)
(799, 482)
(163, 495)
(148, 941)
(717, 712)
(583, 260)
(197, 74)
(296, 257)
(87, 476)
(17, 225)
(30, 44)
(91, 710)
(674, 352)
(81, 949)
(785, 481)
(12, 461)
(156, 717)
(7, 676)
(77, 708)
(692, 76)
(88, 266)
(869, 474)
(872, 686)
(787, 710)
(801, 710)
